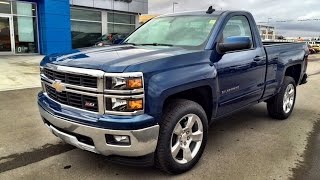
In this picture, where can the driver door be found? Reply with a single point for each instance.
(241, 73)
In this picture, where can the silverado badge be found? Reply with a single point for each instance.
(58, 86)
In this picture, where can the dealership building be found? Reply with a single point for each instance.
(51, 26)
(267, 32)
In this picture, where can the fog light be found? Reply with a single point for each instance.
(118, 140)
(122, 139)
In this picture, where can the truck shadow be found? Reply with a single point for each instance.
(221, 131)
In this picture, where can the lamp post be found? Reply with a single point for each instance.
(174, 3)
(268, 28)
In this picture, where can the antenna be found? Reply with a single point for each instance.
(210, 10)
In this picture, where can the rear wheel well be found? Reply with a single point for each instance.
(201, 95)
(294, 72)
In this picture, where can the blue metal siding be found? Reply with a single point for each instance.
(54, 26)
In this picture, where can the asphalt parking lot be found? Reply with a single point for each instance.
(247, 145)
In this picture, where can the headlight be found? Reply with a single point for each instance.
(124, 104)
(124, 83)
(121, 83)
(124, 93)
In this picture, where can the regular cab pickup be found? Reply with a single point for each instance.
(151, 99)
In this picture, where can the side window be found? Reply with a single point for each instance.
(237, 26)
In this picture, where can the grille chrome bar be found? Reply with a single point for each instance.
(46, 79)
(78, 71)
(79, 80)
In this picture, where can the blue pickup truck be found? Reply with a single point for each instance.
(150, 99)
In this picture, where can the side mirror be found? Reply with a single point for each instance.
(235, 43)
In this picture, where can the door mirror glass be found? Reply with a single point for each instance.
(235, 43)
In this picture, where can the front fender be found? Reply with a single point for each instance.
(166, 83)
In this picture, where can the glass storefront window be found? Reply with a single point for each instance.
(25, 34)
(86, 27)
(81, 14)
(23, 9)
(121, 18)
(121, 29)
(22, 26)
(121, 24)
(5, 40)
(85, 34)
(5, 7)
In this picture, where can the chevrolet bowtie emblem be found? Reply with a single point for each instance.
(58, 86)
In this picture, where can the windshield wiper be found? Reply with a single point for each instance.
(148, 44)
(134, 44)
(155, 44)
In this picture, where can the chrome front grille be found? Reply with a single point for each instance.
(72, 99)
(87, 89)
(74, 79)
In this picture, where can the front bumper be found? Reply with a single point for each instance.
(143, 141)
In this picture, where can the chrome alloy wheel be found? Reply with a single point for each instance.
(288, 98)
(186, 138)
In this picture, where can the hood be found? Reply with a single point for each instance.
(113, 58)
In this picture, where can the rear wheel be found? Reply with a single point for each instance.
(281, 106)
(183, 136)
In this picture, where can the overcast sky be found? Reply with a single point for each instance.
(278, 10)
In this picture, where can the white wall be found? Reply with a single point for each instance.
(136, 6)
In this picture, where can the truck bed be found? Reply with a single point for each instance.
(279, 55)
(294, 51)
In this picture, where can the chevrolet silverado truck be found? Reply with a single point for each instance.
(151, 98)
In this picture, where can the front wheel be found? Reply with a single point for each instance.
(281, 106)
(182, 138)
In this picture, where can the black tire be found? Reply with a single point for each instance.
(275, 104)
(174, 111)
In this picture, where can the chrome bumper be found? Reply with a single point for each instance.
(143, 141)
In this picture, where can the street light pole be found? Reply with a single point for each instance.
(174, 3)
(268, 28)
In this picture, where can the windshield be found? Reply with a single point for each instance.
(190, 31)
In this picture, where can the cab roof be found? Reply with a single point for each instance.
(195, 13)
(203, 13)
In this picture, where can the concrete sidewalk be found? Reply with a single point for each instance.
(19, 72)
